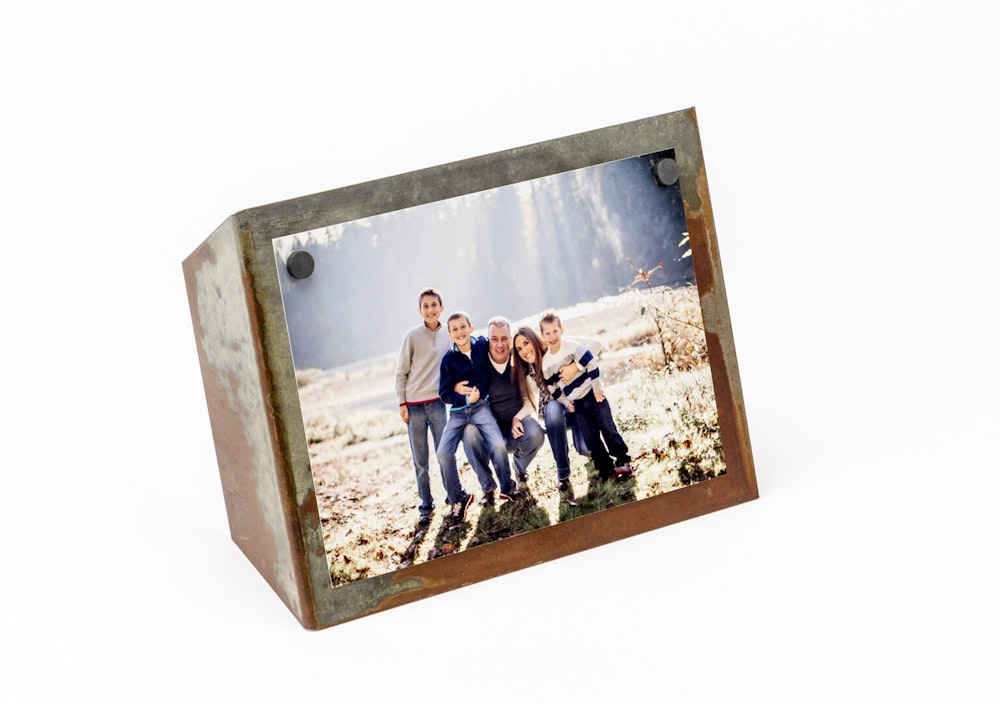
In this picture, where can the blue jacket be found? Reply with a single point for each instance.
(456, 367)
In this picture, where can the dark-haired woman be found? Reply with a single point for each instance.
(528, 352)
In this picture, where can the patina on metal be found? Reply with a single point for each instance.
(240, 330)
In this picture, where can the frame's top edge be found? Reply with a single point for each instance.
(249, 213)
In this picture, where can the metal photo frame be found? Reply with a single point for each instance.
(249, 372)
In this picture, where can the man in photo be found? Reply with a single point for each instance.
(522, 433)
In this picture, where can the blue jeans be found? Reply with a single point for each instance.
(524, 448)
(423, 417)
(480, 416)
(556, 420)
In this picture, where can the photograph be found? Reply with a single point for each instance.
(474, 368)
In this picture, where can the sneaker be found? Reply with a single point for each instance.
(515, 495)
(424, 521)
(522, 479)
(566, 493)
(624, 471)
(458, 510)
(487, 499)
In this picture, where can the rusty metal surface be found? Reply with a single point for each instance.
(228, 348)
(254, 404)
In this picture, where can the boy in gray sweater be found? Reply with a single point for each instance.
(417, 376)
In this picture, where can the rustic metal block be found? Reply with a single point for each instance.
(245, 345)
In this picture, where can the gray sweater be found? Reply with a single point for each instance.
(419, 367)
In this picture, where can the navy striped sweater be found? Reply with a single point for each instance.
(571, 352)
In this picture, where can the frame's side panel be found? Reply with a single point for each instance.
(234, 375)
(715, 309)
(289, 430)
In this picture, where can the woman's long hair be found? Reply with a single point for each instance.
(520, 367)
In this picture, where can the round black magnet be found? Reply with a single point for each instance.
(300, 264)
(667, 172)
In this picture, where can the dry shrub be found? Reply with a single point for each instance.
(683, 328)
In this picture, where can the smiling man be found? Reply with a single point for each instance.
(522, 433)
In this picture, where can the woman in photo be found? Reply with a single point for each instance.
(529, 350)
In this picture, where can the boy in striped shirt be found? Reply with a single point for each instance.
(584, 395)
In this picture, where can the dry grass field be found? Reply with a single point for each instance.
(363, 471)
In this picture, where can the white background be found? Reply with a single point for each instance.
(851, 153)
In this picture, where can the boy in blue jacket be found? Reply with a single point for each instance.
(467, 362)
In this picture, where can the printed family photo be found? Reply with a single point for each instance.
(495, 363)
